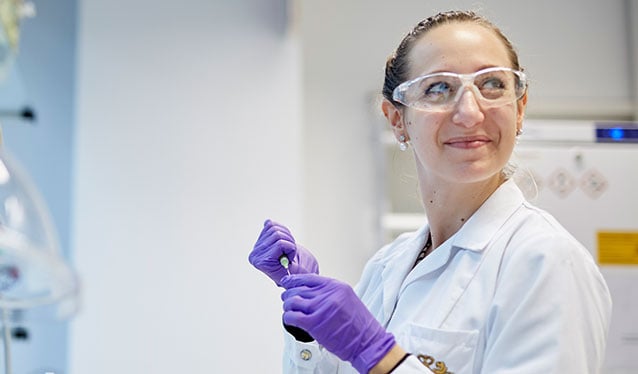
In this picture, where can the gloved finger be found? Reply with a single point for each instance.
(301, 291)
(307, 280)
(268, 261)
(303, 262)
(270, 226)
(299, 303)
(297, 267)
(270, 250)
(276, 243)
(298, 319)
(269, 231)
(277, 225)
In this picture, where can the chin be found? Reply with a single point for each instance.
(479, 175)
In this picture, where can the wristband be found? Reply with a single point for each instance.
(399, 363)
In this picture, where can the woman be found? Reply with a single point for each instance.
(490, 284)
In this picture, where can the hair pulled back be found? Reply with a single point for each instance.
(397, 66)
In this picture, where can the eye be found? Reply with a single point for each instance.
(492, 87)
(493, 83)
(438, 92)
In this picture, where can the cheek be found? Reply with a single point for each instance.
(422, 126)
(505, 119)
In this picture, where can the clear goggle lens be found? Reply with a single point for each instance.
(492, 87)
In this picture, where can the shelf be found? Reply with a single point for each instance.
(402, 221)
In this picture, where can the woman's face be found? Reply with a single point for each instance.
(468, 143)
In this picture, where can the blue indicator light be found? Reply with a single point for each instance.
(616, 134)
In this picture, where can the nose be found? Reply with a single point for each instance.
(468, 111)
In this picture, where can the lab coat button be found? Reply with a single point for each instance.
(305, 355)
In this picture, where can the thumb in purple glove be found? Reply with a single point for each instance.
(335, 316)
(274, 241)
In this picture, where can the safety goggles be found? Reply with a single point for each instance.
(439, 92)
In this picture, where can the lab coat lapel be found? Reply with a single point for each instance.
(396, 270)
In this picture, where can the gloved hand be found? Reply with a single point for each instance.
(276, 240)
(335, 316)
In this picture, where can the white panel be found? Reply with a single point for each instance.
(187, 140)
(632, 16)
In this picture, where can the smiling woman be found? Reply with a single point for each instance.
(461, 144)
(489, 283)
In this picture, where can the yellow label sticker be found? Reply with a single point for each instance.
(618, 247)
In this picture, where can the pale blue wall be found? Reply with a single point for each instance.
(43, 77)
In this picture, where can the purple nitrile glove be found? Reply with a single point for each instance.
(334, 315)
(276, 240)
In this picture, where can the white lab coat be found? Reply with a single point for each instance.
(510, 292)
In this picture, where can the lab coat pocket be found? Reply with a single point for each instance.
(437, 349)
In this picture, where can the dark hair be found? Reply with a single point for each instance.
(397, 66)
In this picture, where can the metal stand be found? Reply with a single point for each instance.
(6, 339)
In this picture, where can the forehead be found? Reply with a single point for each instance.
(459, 47)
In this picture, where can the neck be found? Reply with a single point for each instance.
(449, 205)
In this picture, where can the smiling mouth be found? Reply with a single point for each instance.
(467, 143)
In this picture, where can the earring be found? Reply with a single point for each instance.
(403, 144)
(519, 132)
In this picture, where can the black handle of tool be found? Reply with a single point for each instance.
(300, 334)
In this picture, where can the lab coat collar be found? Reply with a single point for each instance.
(477, 232)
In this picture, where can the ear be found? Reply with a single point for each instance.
(394, 117)
(521, 104)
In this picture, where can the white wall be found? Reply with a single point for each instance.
(188, 137)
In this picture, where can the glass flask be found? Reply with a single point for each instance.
(35, 281)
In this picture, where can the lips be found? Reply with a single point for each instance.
(467, 142)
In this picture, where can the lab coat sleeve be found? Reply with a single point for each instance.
(551, 310)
